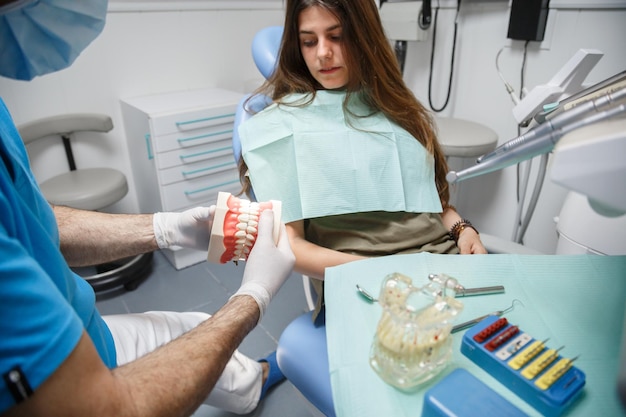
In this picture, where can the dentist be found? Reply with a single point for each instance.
(58, 355)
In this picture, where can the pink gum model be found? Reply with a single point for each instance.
(235, 225)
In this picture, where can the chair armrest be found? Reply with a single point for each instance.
(494, 244)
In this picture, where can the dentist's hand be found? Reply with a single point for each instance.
(268, 264)
(189, 229)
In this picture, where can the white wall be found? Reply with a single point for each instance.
(143, 52)
(138, 53)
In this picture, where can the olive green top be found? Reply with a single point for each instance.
(378, 233)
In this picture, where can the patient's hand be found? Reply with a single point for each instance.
(469, 243)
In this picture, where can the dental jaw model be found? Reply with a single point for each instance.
(235, 227)
(412, 343)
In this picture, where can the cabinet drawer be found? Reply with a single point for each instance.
(184, 140)
(195, 154)
(198, 169)
(193, 120)
(199, 190)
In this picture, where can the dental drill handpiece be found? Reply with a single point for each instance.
(559, 122)
(539, 145)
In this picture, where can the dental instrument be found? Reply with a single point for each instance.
(470, 323)
(527, 354)
(369, 297)
(541, 363)
(562, 123)
(556, 372)
(543, 138)
(460, 290)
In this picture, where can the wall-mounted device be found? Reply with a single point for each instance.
(528, 20)
(403, 21)
(426, 15)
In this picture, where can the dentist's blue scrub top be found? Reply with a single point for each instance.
(44, 306)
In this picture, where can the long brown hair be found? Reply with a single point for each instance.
(373, 70)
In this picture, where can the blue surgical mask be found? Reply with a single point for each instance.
(38, 37)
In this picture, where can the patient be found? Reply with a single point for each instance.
(337, 79)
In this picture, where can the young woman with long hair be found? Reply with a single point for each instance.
(341, 110)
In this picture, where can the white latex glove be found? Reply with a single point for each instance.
(268, 264)
(189, 229)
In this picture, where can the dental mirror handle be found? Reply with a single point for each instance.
(466, 292)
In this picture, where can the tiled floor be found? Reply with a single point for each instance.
(206, 287)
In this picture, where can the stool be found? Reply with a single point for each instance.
(87, 189)
(464, 139)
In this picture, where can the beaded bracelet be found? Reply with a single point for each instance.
(458, 227)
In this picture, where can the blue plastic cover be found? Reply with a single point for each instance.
(461, 394)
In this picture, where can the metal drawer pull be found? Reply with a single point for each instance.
(211, 187)
(205, 119)
(208, 135)
(193, 155)
(211, 168)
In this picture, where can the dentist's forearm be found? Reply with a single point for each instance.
(170, 381)
(91, 238)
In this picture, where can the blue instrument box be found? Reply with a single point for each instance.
(536, 373)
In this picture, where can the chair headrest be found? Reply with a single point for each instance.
(265, 48)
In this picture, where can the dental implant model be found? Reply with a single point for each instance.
(235, 227)
(412, 343)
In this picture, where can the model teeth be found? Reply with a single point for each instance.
(245, 238)
(247, 228)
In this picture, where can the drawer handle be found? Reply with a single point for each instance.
(211, 187)
(148, 146)
(205, 119)
(193, 155)
(204, 136)
(196, 171)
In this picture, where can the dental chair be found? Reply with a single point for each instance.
(302, 353)
(85, 188)
(301, 339)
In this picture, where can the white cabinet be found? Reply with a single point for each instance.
(180, 147)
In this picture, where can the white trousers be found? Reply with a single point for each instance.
(237, 390)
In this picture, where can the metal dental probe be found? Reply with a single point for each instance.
(470, 323)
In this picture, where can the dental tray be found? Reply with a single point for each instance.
(533, 371)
